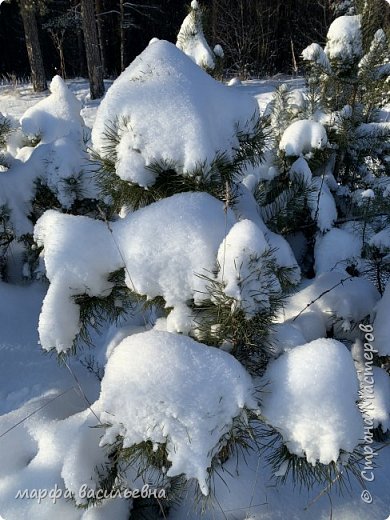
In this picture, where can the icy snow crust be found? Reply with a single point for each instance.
(168, 388)
(170, 110)
(311, 400)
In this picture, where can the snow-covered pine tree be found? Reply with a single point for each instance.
(47, 168)
(347, 89)
(291, 193)
(184, 233)
(169, 173)
(192, 41)
(352, 87)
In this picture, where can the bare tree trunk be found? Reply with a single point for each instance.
(38, 76)
(100, 28)
(58, 41)
(122, 33)
(94, 62)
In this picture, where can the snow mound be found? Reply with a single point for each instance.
(243, 270)
(56, 116)
(79, 254)
(381, 240)
(58, 160)
(344, 39)
(57, 164)
(311, 400)
(315, 53)
(164, 248)
(303, 137)
(330, 297)
(334, 249)
(170, 110)
(167, 388)
(235, 82)
(191, 39)
(218, 51)
(167, 244)
(246, 207)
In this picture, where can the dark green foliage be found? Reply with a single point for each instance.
(218, 179)
(45, 198)
(220, 322)
(301, 473)
(377, 266)
(283, 204)
(95, 311)
(31, 253)
(352, 92)
(6, 238)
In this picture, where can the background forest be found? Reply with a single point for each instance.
(259, 37)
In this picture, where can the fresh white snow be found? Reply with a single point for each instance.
(302, 137)
(174, 391)
(311, 400)
(170, 111)
(52, 442)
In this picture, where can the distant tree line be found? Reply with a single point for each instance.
(259, 37)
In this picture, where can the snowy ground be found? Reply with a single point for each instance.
(27, 373)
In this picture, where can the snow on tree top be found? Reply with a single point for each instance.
(311, 400)
(171, 110)
(302, 137)
(164, 247)
(191, 39)
(56, 116)
(344, 39)
(242, 248)
(168, 388)
(315, 52)
(218, 51)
